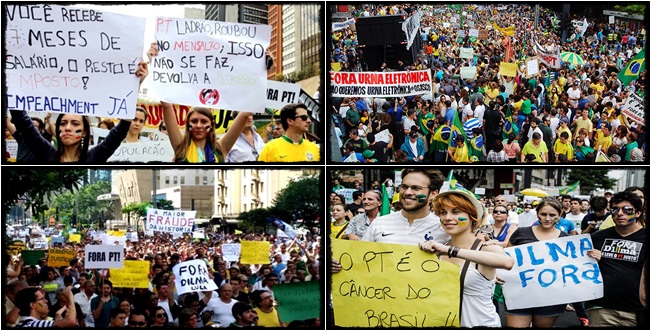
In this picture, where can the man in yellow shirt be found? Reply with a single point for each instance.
(291, 147)
(267, 314)
(604, 139)
(535, 148)
(583, 122)
(562, 146)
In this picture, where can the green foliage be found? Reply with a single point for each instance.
(254, 220)
(301, 196)
(591, 179)
(35, 187)
(89, 209)
(637, 8)
(298, 76)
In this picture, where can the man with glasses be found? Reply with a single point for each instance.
(291, 147)
(33, 309)
(84, 298)
(137, 319)
(621, 251)
(500, 200)
(267, 313)
(371, 202)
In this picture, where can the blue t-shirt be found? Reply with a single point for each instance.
(449, 115)
(563, 225)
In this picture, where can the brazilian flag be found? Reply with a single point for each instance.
(476, 148)
(441, 138)
(454, 185)
(457, 129)
(633, 68)
(570, 188)
(509, 126)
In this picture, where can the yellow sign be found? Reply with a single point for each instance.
(74, 238)
(57, 257)
(508, 69)
(509, 31)
(117, 233)
(336, 66)
(134, 274)
(16, 247)
(255, 252)
(389, 285)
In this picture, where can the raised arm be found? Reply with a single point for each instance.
(173, 130)
(227, 141)
(31, 136)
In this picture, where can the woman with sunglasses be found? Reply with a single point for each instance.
(549, 213)
(502, 229)
(461, 213)
(158, 318)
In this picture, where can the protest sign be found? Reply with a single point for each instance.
(611, 19)
(198, 235)
(558, 266)
(347, 193)
(409, 292)
(508, 69)
(15, 247)
(31, 257)
(313, 108)
(461, 33)
(103, 256)
(336, 26)
(466, 52)
(132, 236)
(552, 59)
(56, 240)
(473, 33)
(410, 27)
(12, 149)
(72, 60)
(192, 276)
(509, 31)
(532, 66)
(352, 158)
(482, 35)
(468, 72)
(446, 25)
(453, 20)
(231, 252)
(133, 274)
(298, 301)
(74, 238)
(40, 243)
(60, 257)
(154, 110)
(150, 151)
(380, 84)
(335, 66)
(211, 64)
(383, 136)
(471, 23)
(254, 252)
(634, 108)
(170, 221)
(280, 94)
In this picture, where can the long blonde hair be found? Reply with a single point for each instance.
(181, 150)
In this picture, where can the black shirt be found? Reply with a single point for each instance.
(380, 151)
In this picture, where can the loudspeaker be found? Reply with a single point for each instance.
(380, 30)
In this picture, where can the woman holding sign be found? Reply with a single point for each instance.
(73, 136)
(461, 213)
(549, 213)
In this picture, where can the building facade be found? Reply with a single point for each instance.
(249, 13)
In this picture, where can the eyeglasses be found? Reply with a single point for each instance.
(579, 141)
(628, 210)
(269, 297)
(41, 298)
(160, 315)
(303, 117)
(412, 187)
(134, 323)
(500, 212)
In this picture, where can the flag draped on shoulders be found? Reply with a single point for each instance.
(509, 125)
(633, 69)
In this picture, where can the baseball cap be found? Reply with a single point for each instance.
(481, 210)
(413, 134)
(368, 153)
(576, 82)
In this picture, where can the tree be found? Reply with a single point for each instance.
(35, 187)
(640, 9)
(89, 210)
(301, 198)
(136, 210)
(591, 179)
(254, 220)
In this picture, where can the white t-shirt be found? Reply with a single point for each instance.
(574, 93)
(576, 219)
(408, 123)
(394, 228)
(527, 219)
(222, 312)
(479, 113)
(414, 147)
(84, 303)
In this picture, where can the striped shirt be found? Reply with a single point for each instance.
(394, 228)
(31, 322)
(471, 124)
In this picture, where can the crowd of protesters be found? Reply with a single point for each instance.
(41, 296)
(568, 114)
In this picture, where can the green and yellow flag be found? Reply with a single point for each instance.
(632, 70)
(570, 188)
(386, 204)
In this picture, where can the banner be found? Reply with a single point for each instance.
(298, 301)
(552, 59)
(31, 257)
(170, 221)
(134, 274)
(60, 257)
(255, 252)
(532, 66)
(389, 285)
(132, 236)
(509, 31)
(466, 52)
(103, 256)
(410, 27)
(280, 94)
(336, 26)
(380, 84)
(468, 72)
(150, 151)
(192, 276)
(210, 64)
(313, 107)
(72, 60)
(558, 266)
(508, 69)
(634, 108)
(231, 252)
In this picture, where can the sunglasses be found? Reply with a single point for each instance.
(628, 210)
(303, 117)
(132, 323)
(160, 315)
(500, 212)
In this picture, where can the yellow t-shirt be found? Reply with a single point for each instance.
(529, 148)
(603, 142)
(284, 149)
(566, 148)
(268, 320)
(461, 154)
(561, 81)
(336, 229)
(517, 105)
(567, 129)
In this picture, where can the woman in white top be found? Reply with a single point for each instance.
(461, 213)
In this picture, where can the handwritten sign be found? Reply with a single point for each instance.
(336, 26)
(209, 64)
(60, 257)
(72, 60)
(15, 247)
(468, 72)
(74, 238)
(40, 243)
(380, 84)
(280, 94)
(231, 252)
(12, 149)
(508, 69)
(473, 33)
(132, 275)
(558, 266)
(150, 151)
(415, 289)
(532, 66)
(132, 236)
(192, 276)
(255, 252)
(170, 221)
(466, 52)
(347, 193)
(56, 240)
(509, 31)
(383, 136)
(154, 112)
(634, 108)
(103, 256)
(298, 301)
(483, 34)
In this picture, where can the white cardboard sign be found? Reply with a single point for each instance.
(170, 221)
(103, 256)
(634, 108)
(144, 151)
(192, 276)
(231, 252)
(280, 94)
